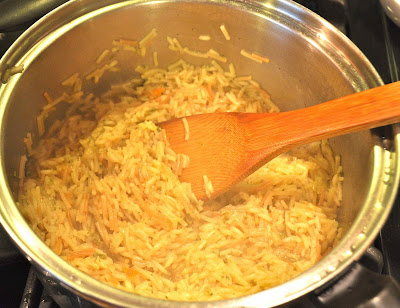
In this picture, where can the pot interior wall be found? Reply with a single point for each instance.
(300, 73)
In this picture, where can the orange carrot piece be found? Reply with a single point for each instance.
(130, 272)
(81, 253)
(157, 92)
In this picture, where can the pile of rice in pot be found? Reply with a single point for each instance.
(102, 190)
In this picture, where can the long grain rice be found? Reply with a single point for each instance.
(17, 69)
(215, 55)
(40, 124)
(28, 143)
(70, 81)
(126, 44)
(102, 55)
(225, 32)
(12, 71)
(209, 189)
(195, 53)
(204, 37)
(249, 56)
(104, 193)
(148, 38)
(259, 57)
(155, 58)
(47, 97)
(186, 126)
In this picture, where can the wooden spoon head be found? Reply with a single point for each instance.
(226, 147)
(217, 148)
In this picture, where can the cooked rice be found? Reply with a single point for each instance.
(254, 56)
(186, 125)
(225, 32)
(148, 38)
(232, 70)
(259, 57)
(47, 97)
(102, 56)
(193, 53)
(171, 43)
(97, 73)
(40, 124)
(28, 143)
(21, 172)
(71, 80)
(209, 189)
(77, 85)
(182, 161)
(248, 55)
(204, 37)
(215, 55)
(175, 45)
(103, 192)
(155, 58)
(125, 45)
(17, 69)
(12, 71)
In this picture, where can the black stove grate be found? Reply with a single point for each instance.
(365, 23)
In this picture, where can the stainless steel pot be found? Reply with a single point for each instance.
(311, 62)
(392, 9)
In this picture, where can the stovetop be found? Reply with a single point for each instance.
(365, 23)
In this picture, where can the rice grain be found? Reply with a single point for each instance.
(225, 32)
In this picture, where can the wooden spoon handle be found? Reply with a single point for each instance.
(363, 110)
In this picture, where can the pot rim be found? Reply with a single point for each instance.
(383, 182)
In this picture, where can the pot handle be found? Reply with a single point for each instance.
(359, 287)
(14, 13)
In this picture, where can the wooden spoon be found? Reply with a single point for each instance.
(227, 147)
